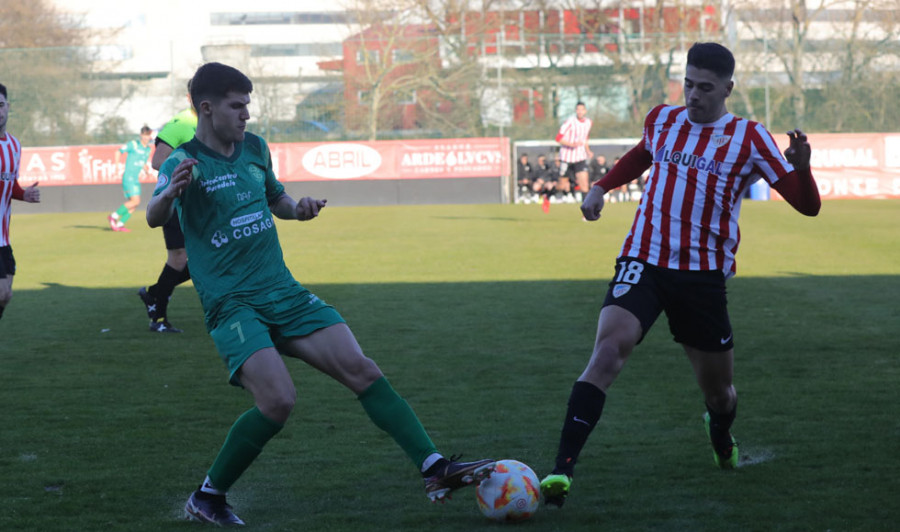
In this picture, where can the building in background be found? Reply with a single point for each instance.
(473, 72)
(145, 52)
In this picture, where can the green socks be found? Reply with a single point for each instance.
(245, 441)
(392, 414)
(123, 213)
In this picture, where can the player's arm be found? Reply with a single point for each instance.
(631, 166)
(160, 154)
(285, 208)
(561, 135)
(28, 195)
(162, 205)
(799, 188)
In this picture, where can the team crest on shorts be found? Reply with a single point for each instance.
(620, 290)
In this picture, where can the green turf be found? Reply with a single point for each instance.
(482, 317)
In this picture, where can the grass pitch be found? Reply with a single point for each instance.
(482, 317)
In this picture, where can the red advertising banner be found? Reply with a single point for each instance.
(392, 159)
(322, 161)
(73, 165)
(864, 165)
(857, 165)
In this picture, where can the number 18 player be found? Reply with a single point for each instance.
(681, 249)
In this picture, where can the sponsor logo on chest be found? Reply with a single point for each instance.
(688, 160)
(219, 182)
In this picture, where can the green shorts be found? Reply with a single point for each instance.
(131, 186)
(246, 324)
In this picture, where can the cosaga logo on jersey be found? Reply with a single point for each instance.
(244, 226)
(688, 160)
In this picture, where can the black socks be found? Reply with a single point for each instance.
(585, 406)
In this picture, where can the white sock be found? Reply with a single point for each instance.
(434, 457)
(207, 487)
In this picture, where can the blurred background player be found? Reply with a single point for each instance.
(138, 152)
(10, 153)
(177, 131)
(253, 304)
(681, 249)
(574, 150)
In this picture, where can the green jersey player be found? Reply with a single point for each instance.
(138, 152)
(225, 194)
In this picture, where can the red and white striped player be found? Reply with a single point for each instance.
(681, 248)
(10, 153)
(574, 150)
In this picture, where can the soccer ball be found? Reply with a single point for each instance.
(511, 493)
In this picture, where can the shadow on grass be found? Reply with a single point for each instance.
(93, 227)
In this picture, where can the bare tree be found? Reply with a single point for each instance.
(46, 67)
(394, 57)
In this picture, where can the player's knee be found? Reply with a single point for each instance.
(177, 259)
(278, 404)
(5, 296)
(359, 373)
(606, 361)
(721, 398)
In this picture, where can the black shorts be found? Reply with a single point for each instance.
(7, 261)
(694, 302)
(172, 233)
(574, 168)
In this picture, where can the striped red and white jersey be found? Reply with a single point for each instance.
(574, 131)
(10, 153)
(688, 215)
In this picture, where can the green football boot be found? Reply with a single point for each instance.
(727, 456)
(555, 489)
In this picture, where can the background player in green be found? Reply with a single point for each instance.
(225, 193)
(138, 151)
(177, 131)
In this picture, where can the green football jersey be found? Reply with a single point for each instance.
(135, 160)
(229, 231)
(180, 129)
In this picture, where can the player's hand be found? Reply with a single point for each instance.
(593, 203)
(32, 194)
(180, 179)
(308, 208)
(798, 152)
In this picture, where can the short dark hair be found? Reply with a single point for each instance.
(213, 81)
(3, 91)
(713, 57)
(146, 129)
(580, 103)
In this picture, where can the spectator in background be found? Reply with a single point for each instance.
(541, 174)
(524, 175)
(617, 194)
(598, 168)
(546, 176)
(136, 165)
